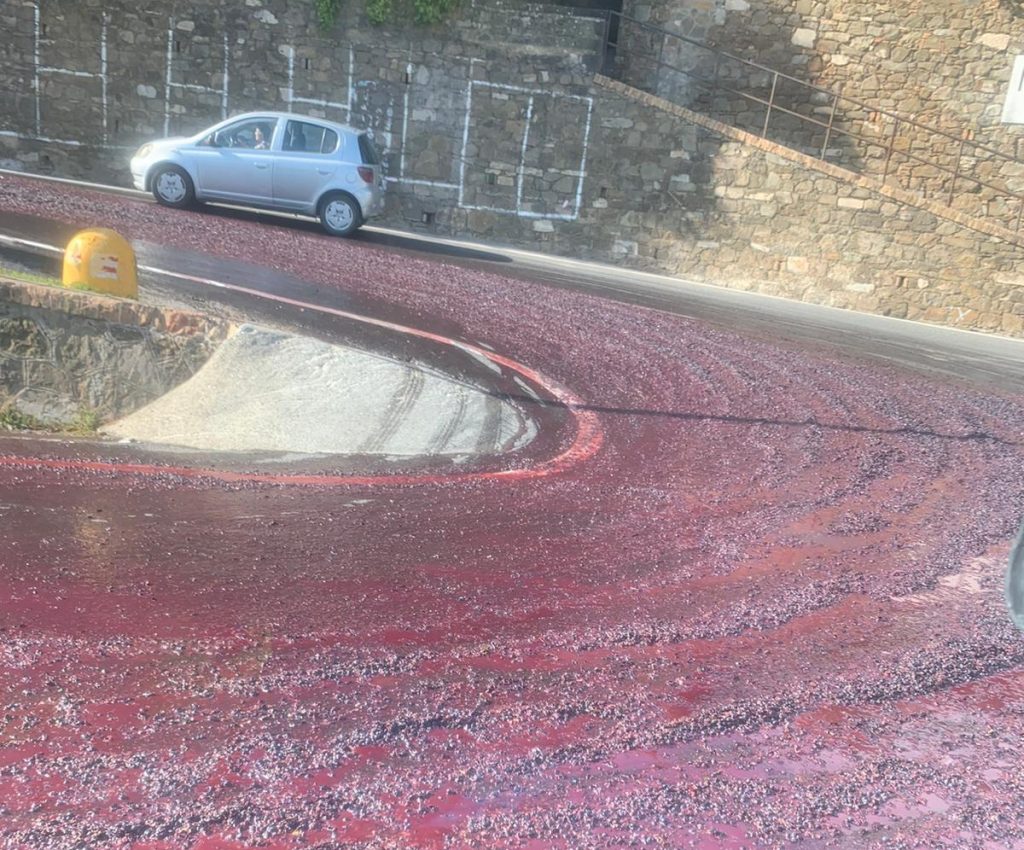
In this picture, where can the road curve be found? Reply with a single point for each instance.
(766, 612)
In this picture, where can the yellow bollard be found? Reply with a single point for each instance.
(102, 261)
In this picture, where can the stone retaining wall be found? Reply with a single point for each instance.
(676, 192)
(62, 352)
(787, 224)
(948, 63)
(83, 84)
(945, 64)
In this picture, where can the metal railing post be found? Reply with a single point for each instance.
(892, 142)
(771, 103)
(714, 82)
(605, 69)
(956, 168)
(831, 121)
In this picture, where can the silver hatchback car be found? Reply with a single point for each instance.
(272, 160)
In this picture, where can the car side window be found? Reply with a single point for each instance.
(368, 150)
(330, 142)
(304, 137)
(253, 134)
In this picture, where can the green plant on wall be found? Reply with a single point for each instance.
(432, 11)
(326, 13)
(380, 12)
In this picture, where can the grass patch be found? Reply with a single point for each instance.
(28, 277)
(12, 419)
(86, 422)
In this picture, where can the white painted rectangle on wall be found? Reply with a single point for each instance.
(1013, 107)
(572, 206)
(43, 73)
(323, 104)
(174, 88)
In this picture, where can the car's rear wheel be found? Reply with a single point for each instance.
(172, 187)
(340, 214)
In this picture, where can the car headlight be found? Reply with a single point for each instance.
(143, 151)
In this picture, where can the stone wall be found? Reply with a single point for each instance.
(787, 224)
(488, 116)
(675, 192)
(947, 63)
(62, 352)
(82, 84)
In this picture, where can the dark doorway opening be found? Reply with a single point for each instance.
(611, 10)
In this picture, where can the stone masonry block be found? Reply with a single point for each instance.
(803, 37)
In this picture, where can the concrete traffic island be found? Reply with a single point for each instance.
(174, 379)
(66, 354)
(268, 391)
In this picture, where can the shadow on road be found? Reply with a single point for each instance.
(810, 422)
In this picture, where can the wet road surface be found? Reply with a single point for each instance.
(767, 612)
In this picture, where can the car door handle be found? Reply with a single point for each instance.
(323, 171)
(262, 164)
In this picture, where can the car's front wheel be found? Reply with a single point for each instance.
(172, 187)
(340, 214)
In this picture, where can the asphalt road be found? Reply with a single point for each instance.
(762, 608)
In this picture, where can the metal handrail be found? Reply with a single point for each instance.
(832, 129)
(716, 85)
(820, 89)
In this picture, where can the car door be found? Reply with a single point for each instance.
(305, 164)
(235, 163)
